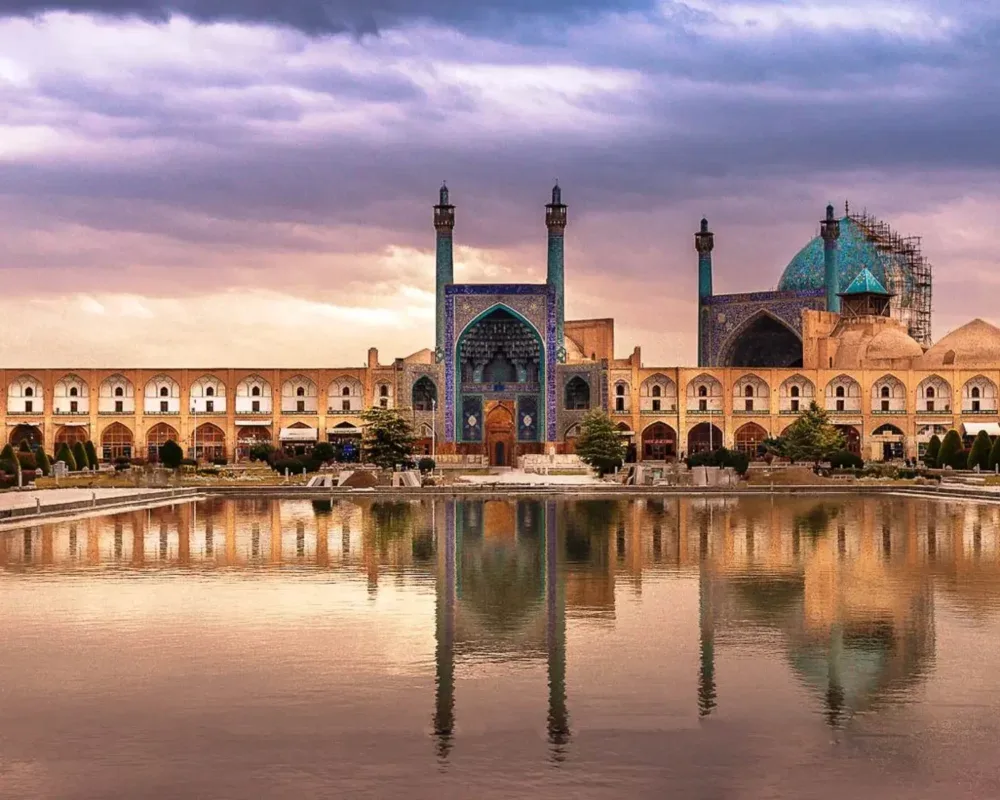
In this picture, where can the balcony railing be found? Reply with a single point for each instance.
(760, 412)
(707, 412)
(261, 413)
(892, 412)
(122, 413)
(59, 413)
(983, 412)
(671, 410)
(159, 413)
(343, 411)
(216, 413)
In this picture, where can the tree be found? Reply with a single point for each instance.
(994, 455)
(91, 453)
(7, 454)
(171, 454)
(979, 455)
(932, 452)
(261, 451)
(25, 446)
(811, 437)
(80, 454)
(951, 445)
(44, 464)
(323, 452)
(599, 444)
(65, 455)
(388, 438)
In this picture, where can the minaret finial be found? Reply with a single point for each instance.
(847, 208)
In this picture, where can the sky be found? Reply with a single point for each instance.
(250, 182)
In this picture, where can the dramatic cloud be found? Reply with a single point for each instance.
(226, 153)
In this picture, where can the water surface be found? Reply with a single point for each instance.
(750, 648)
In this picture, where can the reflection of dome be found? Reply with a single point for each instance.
(976, 342)
(855, 253)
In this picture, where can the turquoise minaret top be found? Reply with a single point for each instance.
(704, 241)
(830, 231)
(555, 221)
(444, 224)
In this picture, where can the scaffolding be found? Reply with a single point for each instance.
(907, 271)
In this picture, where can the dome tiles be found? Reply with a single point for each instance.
(975, 343)
(855, 253)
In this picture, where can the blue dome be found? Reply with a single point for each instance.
(855, 253)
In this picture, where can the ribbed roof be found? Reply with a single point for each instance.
(865, 283)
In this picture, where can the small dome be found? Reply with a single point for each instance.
(855, 253)
(892, 344)
(573, 351)
(975, 343)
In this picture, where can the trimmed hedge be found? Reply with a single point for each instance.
(979, 455)
(845, 459)
(933, 449)
(740, 462)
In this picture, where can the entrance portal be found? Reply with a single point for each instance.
(500, 433)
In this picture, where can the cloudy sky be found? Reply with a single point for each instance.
(250, 182)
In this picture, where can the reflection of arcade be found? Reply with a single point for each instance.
(499, 588)
(857, 629)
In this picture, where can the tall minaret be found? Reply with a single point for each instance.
(704, 241)
(555, 221)
(444, 224)
(829, 229)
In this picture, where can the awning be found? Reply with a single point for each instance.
(298, 435)
(344, 430)
(973, 428)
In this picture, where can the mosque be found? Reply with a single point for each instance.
(848, 326)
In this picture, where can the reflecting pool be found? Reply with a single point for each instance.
(688, 647)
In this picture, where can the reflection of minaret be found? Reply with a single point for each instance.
(558, 722)
(835, 689)
(444, 708)
(706, 626)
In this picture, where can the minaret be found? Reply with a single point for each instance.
(830, 231)
(704, 241)
(444, 224)
(555, 221)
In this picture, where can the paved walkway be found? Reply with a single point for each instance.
(27, 499)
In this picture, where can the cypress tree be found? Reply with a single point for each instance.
(43, 462)
(80, 455)
(66, 456)
(933, 449)
(91, 454)
(994, 455)
(7, 454)
(951, 445)
(25, 447)
(980, 453)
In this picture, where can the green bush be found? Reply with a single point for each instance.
(27, 460)
(7, 454)
(171, 454)
(91, 454)
(959, 460)
(24, 447)
(295, 465)
(426, 464)
(323, 451)
(740, 462)
(845, 459)
(933, 449)
(65, 455)
(44, 464)
(994, 455)
(261, 451)
(80, 455)
(951, 445)
(8, 466)
(979, 455)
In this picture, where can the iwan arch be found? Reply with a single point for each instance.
(848, 327)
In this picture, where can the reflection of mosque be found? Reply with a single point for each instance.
(847, 589)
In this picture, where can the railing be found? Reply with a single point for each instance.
(159, 413)
(253, 413)
(122, 413)
(760, 412)
(58, 413)
(706, 412)
(647, 411)
(220, 413)
(983, 412)
(343, 411)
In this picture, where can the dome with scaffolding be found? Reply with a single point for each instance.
(895, 261)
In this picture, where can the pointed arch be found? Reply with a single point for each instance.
(658, 392)
(162, 395)
(299, 395)
(764, 340)
(795, 394)
(209, 442)
(979, 396)
(576, 394)
(888, 395)
(843, 393)
(208, 395)
(704, 393)
(934, 395)
(25, 395)
(116, 395)
(659, 442)
(749, 437)
(751, 393)
(117, 442)
(254, 396)
(345, 395)
(424, 395)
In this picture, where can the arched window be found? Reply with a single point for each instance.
(209, 391)
(424, 394)
(301, 391)
(29, 392)
(885, 391)
(577, 394)
(383, 391)
(795, 391)
(164, 391)
(620, 389)
(74, 392)
(748, 390)
(255, 391)
(119, 391)
(346, 391)
(840, 391)
(657, 391)
(930, 391)
(975, 392)
(702, 391)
